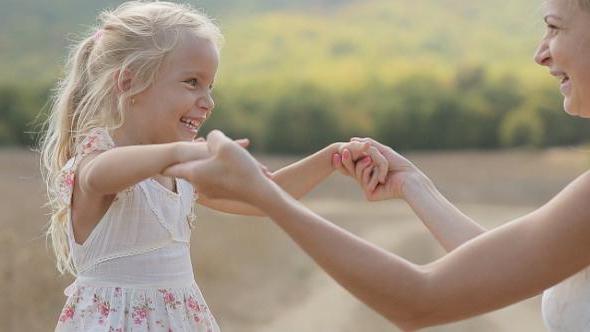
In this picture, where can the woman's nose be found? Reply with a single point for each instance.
(542, 55)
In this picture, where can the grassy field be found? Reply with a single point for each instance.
(255, 279)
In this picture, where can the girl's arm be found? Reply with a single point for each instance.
(300, 177)
(114, 170)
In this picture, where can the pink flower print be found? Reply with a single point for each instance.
(89, 144)
(69, 179)
(104, 308)
(192, 304)
(67, 313)
(140, 313)
(169, 299)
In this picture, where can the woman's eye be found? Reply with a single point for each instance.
(552, 28)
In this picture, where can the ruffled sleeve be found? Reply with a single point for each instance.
(97, 140)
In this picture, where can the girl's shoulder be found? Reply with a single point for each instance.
(96, 140)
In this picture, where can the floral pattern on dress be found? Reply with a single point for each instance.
(116, 309)
(97, 140)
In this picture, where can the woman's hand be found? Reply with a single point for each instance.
(398, 171)
(225, 171)
(351, 153)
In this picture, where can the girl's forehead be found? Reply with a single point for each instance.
(194, 54)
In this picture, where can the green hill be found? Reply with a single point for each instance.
(296, 75)
(319, 40)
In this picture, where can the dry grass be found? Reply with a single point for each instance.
(254, 278)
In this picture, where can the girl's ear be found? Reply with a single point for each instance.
(123, 80)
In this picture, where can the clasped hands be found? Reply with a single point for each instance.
(224, 169)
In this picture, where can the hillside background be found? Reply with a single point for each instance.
(295, 76)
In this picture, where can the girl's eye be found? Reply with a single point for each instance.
(192, 82)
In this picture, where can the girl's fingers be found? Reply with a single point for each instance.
(360, 167)
(358, 150)
(366, 176)
(347, 161)
(374, 180)
(380, 162)
(243, 142)
(337, 164)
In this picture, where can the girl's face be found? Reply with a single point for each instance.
(565, 50)
(178, 102)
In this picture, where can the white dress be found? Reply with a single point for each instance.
(566, 306)
(134, 271)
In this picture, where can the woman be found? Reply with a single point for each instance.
(484, 271)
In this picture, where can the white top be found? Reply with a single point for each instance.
(566, 306)
(134, 270)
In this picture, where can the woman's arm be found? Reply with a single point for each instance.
(447, 223)
(501, 267)
(498, 268)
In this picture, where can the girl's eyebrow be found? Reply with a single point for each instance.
(195, 73)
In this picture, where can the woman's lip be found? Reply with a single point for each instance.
(566, 86)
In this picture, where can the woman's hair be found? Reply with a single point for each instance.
(136, 37)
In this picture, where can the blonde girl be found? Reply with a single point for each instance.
(135, 92)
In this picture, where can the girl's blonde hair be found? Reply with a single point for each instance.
(136, 37)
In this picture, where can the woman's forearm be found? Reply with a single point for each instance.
(449, 225)
(387, 283)
(498, 268)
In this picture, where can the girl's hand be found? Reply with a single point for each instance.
(399, 171)
(227, 172)
(375, 165)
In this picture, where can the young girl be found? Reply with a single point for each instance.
(135, 93)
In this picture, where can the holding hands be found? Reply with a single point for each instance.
(382, 173)
(223, 169)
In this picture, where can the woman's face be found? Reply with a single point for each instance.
(178, 102)
(565, 50)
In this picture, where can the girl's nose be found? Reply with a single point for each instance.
(206, 103)
(542, 56)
